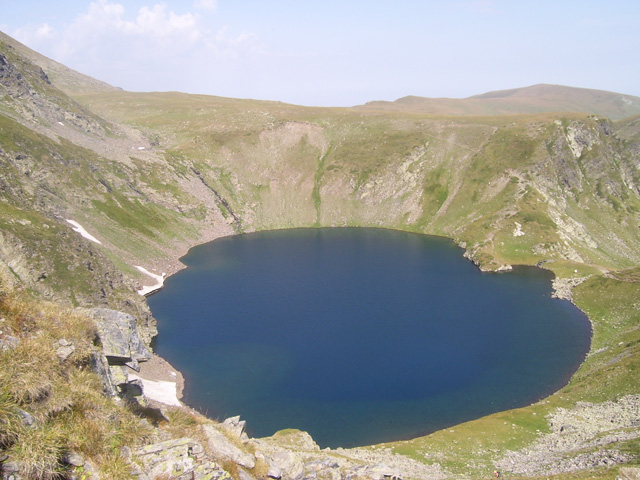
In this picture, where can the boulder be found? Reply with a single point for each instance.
(116, 381)
(128, 386)
(222, 449)
(235, 427)
(100, 366)
(274, 471)
(289, 464)
(65, 349)
(177, 459)
(11, 469)
(120, 339)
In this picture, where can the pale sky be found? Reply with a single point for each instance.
(336, 53)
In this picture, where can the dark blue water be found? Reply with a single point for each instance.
(361, 336)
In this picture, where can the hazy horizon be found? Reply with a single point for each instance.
(335, 54)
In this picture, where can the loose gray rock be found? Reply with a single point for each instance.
(222, 449)
(74, 459)
(629, 473)
(125, 453)
(136, 471)
(11, 467)
(64, 352)
(242, 475)
(27, 419)
(8, 342)
(289, 463)
(121, 342)
(580, 439)
(274, 471)
(235, 426)
(174, 459)
(89, 468)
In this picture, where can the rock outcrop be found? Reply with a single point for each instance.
(121, 350)
(179, 459)
(581, 438)
(120, 338)
(224, 450)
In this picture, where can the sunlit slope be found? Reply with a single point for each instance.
(518, 189)
(60, 161)
(64, 78)
(534, 99)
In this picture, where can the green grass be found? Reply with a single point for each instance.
(65, 399)
(317, 180)
(280, 166)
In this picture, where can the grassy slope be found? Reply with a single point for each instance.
(97, 193)
(68, 410)
(471, 179)
(64, 78)
(62, 398)
(567, 181)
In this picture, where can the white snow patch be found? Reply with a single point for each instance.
(140, 148)
(160, 391)
(151, 288)
(80, 229)
(60, 123)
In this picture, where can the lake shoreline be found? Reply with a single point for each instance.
(403, 232)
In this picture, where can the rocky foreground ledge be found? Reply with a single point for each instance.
(214, 450)
(580, 438)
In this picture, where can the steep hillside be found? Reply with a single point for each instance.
(149, 175)
(64, 78)
(534, 99)
(562, 179)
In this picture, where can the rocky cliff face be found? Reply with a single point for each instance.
(178, 179)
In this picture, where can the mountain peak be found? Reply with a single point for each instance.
(539, 98)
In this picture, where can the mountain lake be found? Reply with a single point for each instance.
(360, 335)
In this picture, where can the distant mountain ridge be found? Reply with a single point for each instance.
(541, 98)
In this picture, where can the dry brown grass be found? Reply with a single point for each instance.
(27, 371)
(39, 451)
(184, 423)
(11, 423)
(63, 396)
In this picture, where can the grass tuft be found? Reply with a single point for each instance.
(39, 451)
(62, 395)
